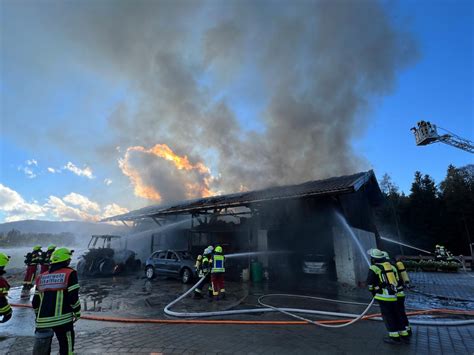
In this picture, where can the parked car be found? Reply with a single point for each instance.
(315, 264)
(171, 263)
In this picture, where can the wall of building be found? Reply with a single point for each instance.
(351, 266)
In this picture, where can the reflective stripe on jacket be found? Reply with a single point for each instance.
(218, 264)
(382, 282)
(4, 287)
(56, 300)
(205, 266)
(5, 308)
(33, 258)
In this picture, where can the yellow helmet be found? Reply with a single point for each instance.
(4, 259)
(199, 257)
(60, 255)
(51, 247)
(218, 249)
(37, 247)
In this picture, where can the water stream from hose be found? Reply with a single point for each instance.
(349, 230)
(405, 245)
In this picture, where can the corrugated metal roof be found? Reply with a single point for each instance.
(331, 186)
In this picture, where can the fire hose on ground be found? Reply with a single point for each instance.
(349, 318)
(352, 318)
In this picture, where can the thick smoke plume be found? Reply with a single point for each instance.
(263, 92)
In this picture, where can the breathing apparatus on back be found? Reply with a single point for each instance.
(389, 278)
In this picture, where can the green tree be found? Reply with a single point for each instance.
(424, 211)
(457, 194)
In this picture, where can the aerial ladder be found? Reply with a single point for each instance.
(427, 133)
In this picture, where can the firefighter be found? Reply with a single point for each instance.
(436, 252)
(382, 281)
(198, 266)
(204, 271)
(442, 252)
(32, 260)
(217, 273)
(46, 258)
(56, 303)
(5, 308)
(403, 283)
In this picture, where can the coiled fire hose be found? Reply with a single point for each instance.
(289, 311)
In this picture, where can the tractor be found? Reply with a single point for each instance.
(103, 260)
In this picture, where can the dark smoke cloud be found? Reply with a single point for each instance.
(311, 67)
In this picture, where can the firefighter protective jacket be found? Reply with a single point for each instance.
(218, 263)
(205, 266)
(46, 257)
(5, 308)
(56, 300)
(33, 258)
(383, 281)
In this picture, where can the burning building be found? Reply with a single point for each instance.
(278, 226)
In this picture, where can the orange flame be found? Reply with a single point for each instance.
(193, 190)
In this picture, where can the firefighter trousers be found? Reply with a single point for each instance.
(30, 275)
(391, 318)
(207, 281)
(402, 312)
(65, 335)
(217, 280)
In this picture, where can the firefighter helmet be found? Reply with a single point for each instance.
(60, 255)
(37, 247)
(51, 247)
(376, 253)
(385, 254)
(4, 259)
(218, 249)
(199, 257)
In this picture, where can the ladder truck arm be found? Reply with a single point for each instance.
(427, 133)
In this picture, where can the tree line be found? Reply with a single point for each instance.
(14, 238)
(432, 213)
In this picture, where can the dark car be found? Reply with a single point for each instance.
(171, 263)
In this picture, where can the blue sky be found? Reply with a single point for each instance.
(67, 117)
(438, 88)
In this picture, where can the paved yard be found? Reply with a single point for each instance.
(363, 337)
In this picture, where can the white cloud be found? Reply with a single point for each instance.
(71, 207)
(81, 201)
(107, 181)
(54, 171)
(113, 210)
(64, 212)
(9, 198)
(28, 172)
(16, 207)
(87, 171)
(28, 169)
